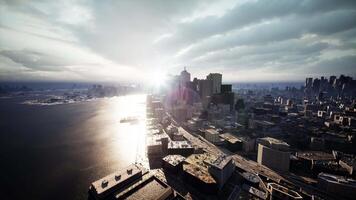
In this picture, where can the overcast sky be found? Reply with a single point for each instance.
(252, 40)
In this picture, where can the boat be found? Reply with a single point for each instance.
(129, 120)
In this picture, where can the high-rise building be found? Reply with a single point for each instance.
(332, 80)
(308, 82)
(184, 77)
(273, 154)
(217, 79)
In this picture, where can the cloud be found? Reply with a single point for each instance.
(122, 40)
(35, 60)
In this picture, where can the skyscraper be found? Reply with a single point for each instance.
(217, 79)
(184, 77)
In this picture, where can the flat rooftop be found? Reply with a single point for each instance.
(315, 155)
(151, 189)
(179, 144)
(111, 181)
(273, 143)
(221, 161)
(231, 138)
(338, 179)
(199, 172)
(212, 131)
(202, 160)
(174, 160)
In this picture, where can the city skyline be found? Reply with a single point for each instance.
(133, 40)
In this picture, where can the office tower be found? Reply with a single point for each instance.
(217, 79)
(184, 77)
(273, 154)
(308, 82)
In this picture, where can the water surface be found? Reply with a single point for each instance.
(55, 152)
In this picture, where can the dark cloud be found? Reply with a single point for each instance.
(100, 37)
(35, 60)
(344, 64)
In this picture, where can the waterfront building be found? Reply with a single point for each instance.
(107, 186)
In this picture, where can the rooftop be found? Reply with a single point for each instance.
(203, 160)
(229, 137)
(273, 143)
(338, 179)
(199, 172)
(174, 159)
(315, 155)
(212, 131)
(109, 182)
(152, 188)
(221, 161)
(179, 144)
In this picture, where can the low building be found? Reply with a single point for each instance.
(144, 190)
(337, 185)
(107, 186)
(309, 159)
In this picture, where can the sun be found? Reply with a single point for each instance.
(158, 79)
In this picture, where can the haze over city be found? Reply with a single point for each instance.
(178, 99)
(132, 40)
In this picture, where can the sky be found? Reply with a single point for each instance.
(110, 40)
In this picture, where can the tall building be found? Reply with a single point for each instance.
(205, 89)
(308, 82)
(217, 79)
(273, 154)
(332, 80)
(184, 77)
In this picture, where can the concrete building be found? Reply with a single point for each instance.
(183, 148)
(173, 163)
(217, 80)
(232, 143)
(195, 173)
(221, 169)
(212, 136)
(337, 185)
(105, 187)
(273, 154)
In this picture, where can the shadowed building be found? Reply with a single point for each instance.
(273, 154)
